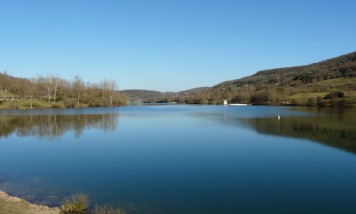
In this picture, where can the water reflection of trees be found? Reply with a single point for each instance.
(336, 129)
(54, 125)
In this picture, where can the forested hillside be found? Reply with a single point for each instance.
(53, 91)
(328, 83)
(343, 66)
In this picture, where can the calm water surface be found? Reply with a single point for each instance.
(184, 159)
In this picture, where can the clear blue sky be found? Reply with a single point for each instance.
(170, 45)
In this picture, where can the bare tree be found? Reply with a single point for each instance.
(103, 85)
(40, 86)
(30, 90)
(54, 82)
(47, 86)
(78, 87)
(4, 84)
(112, 87)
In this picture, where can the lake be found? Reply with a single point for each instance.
(184, 158)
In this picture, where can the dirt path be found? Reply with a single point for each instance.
(14, 205)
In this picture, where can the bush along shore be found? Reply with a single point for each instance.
(77, 203)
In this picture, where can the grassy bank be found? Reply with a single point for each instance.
(14, 205)
(37, 104)
(75, 204)
(24, 104)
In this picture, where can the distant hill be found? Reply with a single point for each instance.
(193, 90)
(142, 95)
(330, 82)
(342, 66)
(157, 96)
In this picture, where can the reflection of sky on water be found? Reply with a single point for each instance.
(185, 159)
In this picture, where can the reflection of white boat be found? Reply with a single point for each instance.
(238, 104)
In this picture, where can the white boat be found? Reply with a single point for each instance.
(238, 104)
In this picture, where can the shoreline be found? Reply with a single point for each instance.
(229, 104)
(43, 105)
(10, 204)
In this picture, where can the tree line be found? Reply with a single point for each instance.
(59, 92)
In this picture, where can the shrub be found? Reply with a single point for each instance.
(94, 104)
(76, 204)
(311, 101)
(294, 102)
(237, 99)
(344, 103)
(70, 102)
(320, 102)
(57, 105)
(260, 98)
(334, 94)
(108, 210)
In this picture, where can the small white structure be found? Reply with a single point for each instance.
(238, 104)
(225, 102)
(279, 117)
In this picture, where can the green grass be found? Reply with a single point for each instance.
(346, 85)
(337, 81)
(26, 104)
(302, 98)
